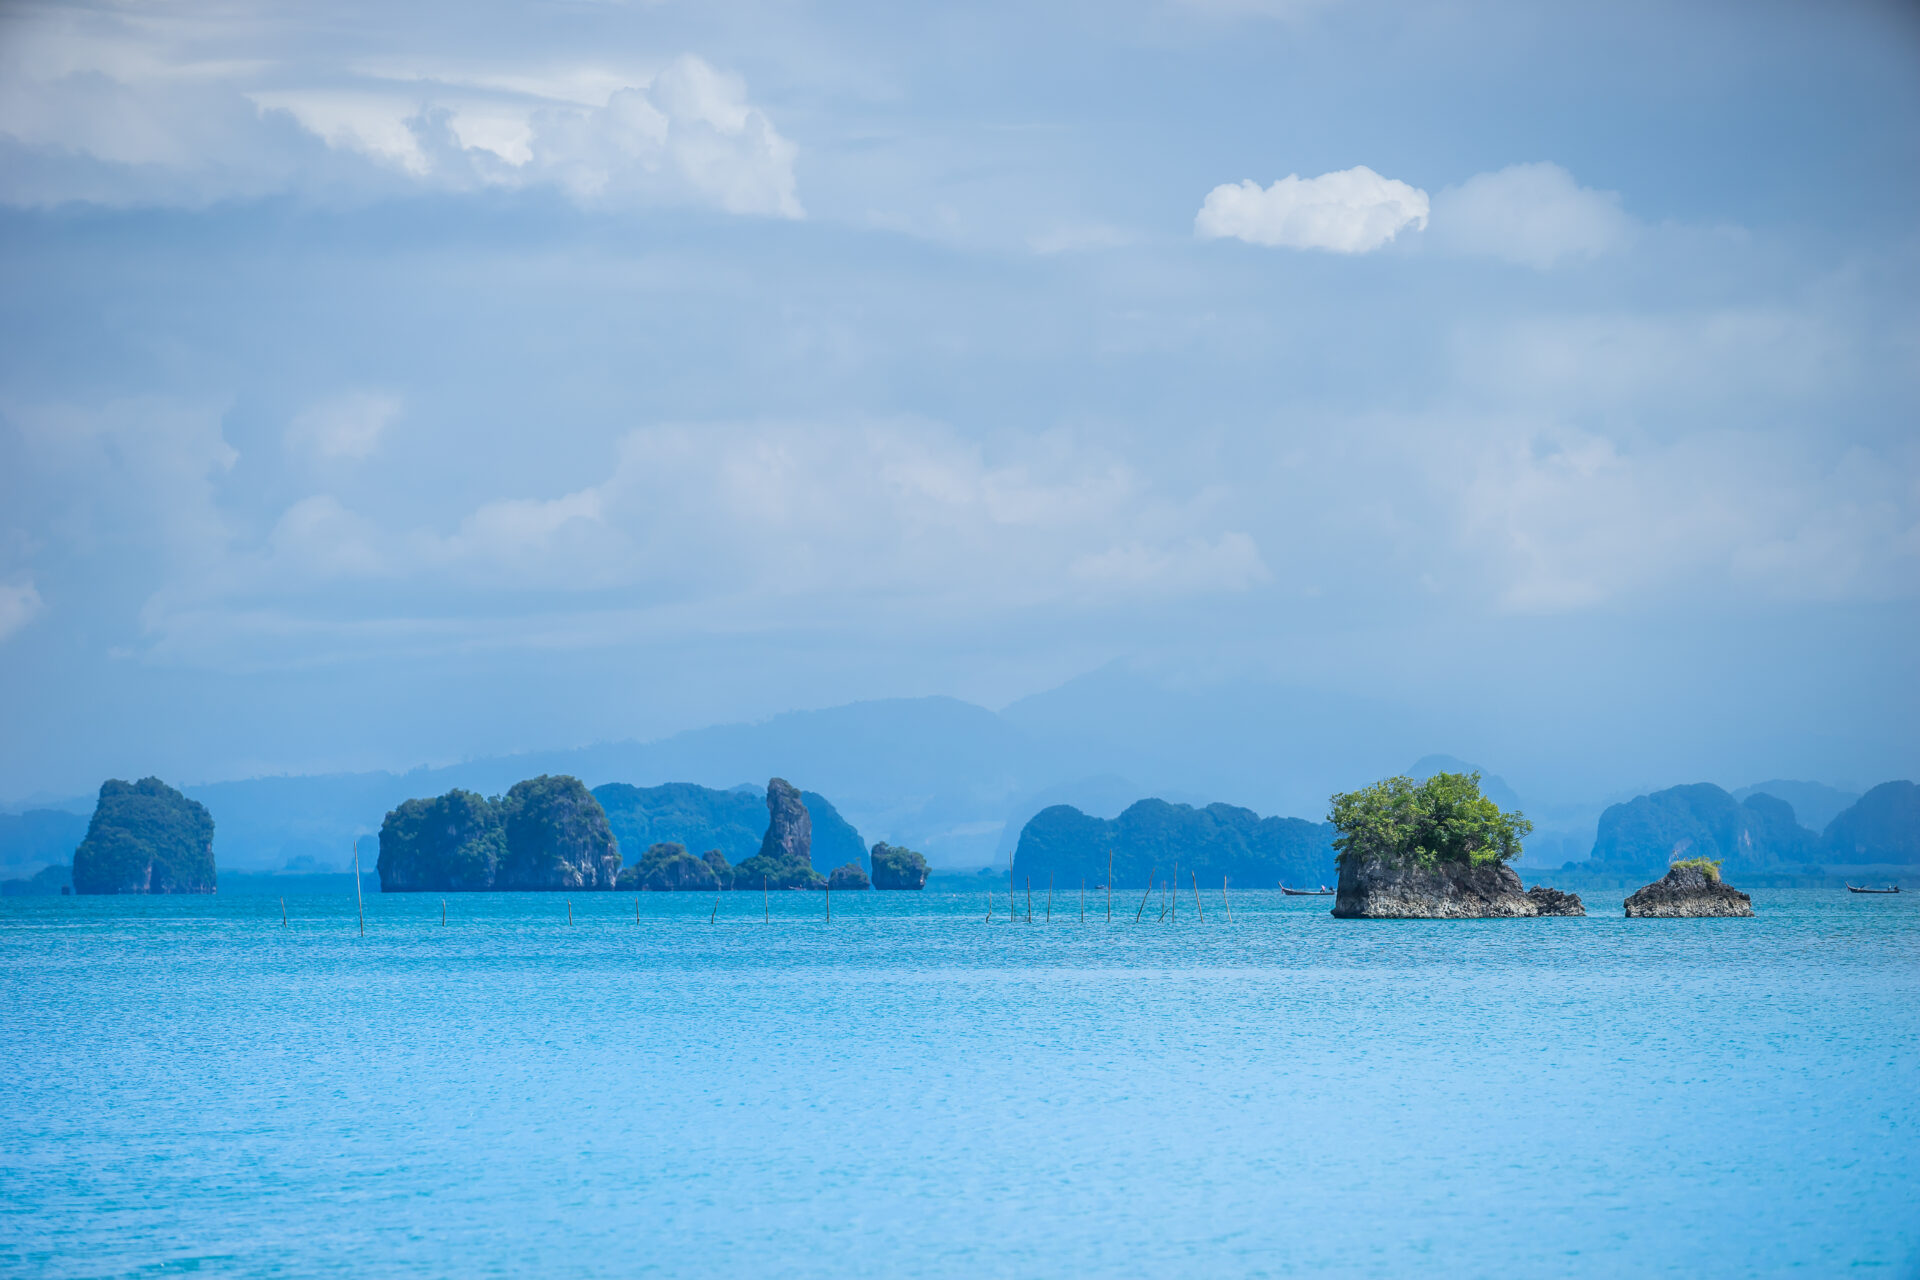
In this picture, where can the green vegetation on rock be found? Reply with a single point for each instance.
(1707, 867)
(848, 877)
(145, 837)
(897, 868)
(1443, 821)
(557, 837)
(546, 833)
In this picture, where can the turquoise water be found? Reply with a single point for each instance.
(911, 1091)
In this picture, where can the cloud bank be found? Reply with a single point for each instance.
(1533, 215)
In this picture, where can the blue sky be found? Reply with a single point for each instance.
(388, 384)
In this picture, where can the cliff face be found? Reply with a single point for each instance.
(1371, 889)
(557, 837)
(1882, 826)
(145, 837)
(1219, 840)
(1701, 821)
(897, 868)
(1688, 892)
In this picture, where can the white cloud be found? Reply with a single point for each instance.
(1531, 214)
(346, 426)
(1350, 211)
(102, 108)
(20, 604)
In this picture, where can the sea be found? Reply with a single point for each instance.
(900, 1084)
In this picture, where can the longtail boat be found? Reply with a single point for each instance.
(1321, 892)
(1892, 888)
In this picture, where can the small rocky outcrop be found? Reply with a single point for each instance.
(145, 837)
(848, 877)
(1372, 889)
(669, 868)
(1688, 891)
(898, 868)
(1556, 902)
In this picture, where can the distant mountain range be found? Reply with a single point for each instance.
(1758, 833)
(956, 781)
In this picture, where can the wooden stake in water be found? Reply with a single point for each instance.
(283, 911)
(1143, 897)
(358, 905)
(443, 913)
(1163, 902)
(1196, 896)
(713, 916)
(989, 906)
(569, 910)
(1225, 899)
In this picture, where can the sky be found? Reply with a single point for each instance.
(393, 384)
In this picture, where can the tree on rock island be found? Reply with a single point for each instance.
(1442, 821)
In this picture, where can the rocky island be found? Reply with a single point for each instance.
(145, 837)
(1433, 850)
(897, 868)
(1690, 889)
(546, 833)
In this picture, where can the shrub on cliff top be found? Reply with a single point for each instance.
(1440, 822)
(1708, 867)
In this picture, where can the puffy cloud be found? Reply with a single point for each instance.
(1531, 214)
(1350, 211)
(346, 426)
(20, 604)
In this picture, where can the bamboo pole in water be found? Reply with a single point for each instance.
(1196, 896)
(443, 913)
(1225, 899)
(1163, 902)
(715, 915)
(989, 906)
(358, 905)
(283, 911)
(569, 910)
(636, 906)
(1143, 897)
